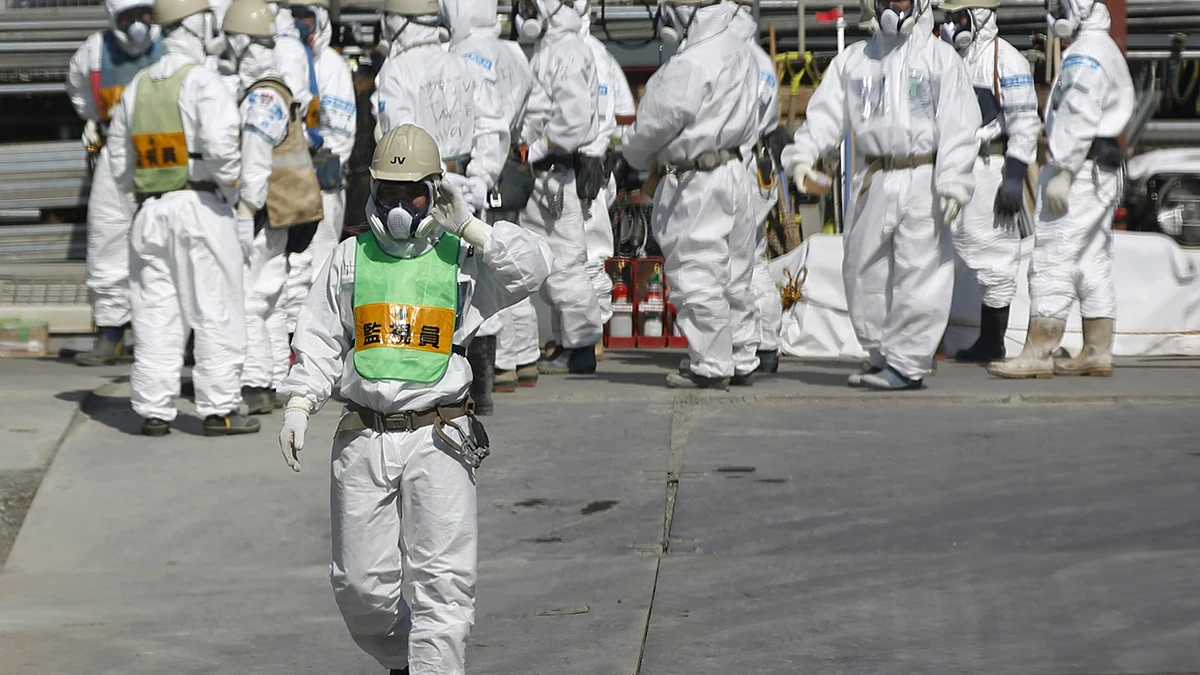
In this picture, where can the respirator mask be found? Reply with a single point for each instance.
(1061, 17)
(959, 29)
(394, 213)
(134, 23)
(893, 21)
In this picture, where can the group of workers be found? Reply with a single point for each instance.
(217, 201)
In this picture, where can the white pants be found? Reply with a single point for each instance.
(517, 341)
(700, 222)
(898, 271)
(109, 218)
(767, 303)
(186, 274)
(403, 519)
(575, 311)
(303, 267)
(597, 226)
(263, 283)
(1073, 254)
(988, 245)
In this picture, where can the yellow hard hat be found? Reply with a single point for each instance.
(407, 154)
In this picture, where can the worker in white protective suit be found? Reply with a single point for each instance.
(699, 110)
(332, 129)
(438, 90)
(99, 72)
(249, 27)
(906, 97)
(760, 163)
(406, 449)
(503, 68)
(174, 142)
(1090, 105)
(987, 236)
(560, 120)
(615, 100)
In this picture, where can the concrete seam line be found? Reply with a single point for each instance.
(681, 422)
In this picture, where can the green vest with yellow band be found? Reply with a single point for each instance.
(159, 143)
(404, 311)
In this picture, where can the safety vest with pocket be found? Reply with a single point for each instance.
(293, 195)
(159, 143)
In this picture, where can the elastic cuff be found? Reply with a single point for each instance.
(477, 233)
(301, 403)
(1014, 168)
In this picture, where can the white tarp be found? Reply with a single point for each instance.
(1158, 301)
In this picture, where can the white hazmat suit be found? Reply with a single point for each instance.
(1092, 98)
(989, 245)
(561, 119)
(264, 126)
(909, 104)
(403, 505)
(99, 69)
(705, 101)
(614, 98)
(186, 263)
(475, 35)
(338, 124)
(768, 307)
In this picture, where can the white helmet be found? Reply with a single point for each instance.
(405, 155)
(135, 31)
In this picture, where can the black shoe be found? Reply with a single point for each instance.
(275, 400)
(693, 381)
(258, 400)
(154, 426)
(108, 350)
(581, 361)
(399, 671)
(232, 424)
(768, 363)
(746, 380)
(481, 355)
(993, 324)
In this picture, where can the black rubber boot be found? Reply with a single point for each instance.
(581, 361)
(399, 671)
(232, 424)
(993, 324)
(108, 350)
(154, 426)
(481, 354)
(746, 380)
(768, 363)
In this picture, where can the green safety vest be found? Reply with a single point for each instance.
(404, 311)
(159, 144)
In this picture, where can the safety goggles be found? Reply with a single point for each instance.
(394, 194)
(526, 9)
(143, 13)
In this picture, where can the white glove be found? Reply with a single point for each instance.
(950, 209)
(449, 209)
(800, 171)
(1058, 193)
(245, 232)
(538, 150)
(476, 194)
(91, 134)
(291, 436)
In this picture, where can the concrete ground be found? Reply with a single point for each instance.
(978, 526)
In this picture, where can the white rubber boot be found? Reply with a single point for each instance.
(1035, 359)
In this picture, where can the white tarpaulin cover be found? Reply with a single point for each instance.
(1158, 301)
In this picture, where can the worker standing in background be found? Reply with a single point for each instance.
(700, 109)
(423, 84)
(987, 235)
(503, 67)
(906, 97)
(560, 121)
(760, 163)
(615, 99)
(392, 316)
(1090, 104)
(99, 72)
(174, 142)
(331, 135)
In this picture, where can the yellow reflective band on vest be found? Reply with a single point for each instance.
(159, 144)
(404, 311)
(312, 117)
(109, 98)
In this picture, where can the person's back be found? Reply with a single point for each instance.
(475, 35)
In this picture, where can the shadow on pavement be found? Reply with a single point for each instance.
(109, 405)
